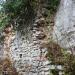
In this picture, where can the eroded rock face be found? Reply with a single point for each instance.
(64, 29)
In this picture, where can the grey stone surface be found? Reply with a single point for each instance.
(64, 29)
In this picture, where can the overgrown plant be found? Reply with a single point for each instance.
(22, 12)
(59, 56)
(52, 5)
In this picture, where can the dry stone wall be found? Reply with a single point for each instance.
(28, 55)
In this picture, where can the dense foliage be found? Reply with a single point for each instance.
(22, 12)
(52, 5)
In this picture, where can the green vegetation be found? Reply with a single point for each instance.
(52, 5)
(22, 12)
(60, 56)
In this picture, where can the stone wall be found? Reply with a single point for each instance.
(29, 55)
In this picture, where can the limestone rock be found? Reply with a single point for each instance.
(64, 29)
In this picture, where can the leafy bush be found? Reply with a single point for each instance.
(60, 56)
(52, 5)
(22, 12)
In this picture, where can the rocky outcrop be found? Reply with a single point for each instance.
(64, 28)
